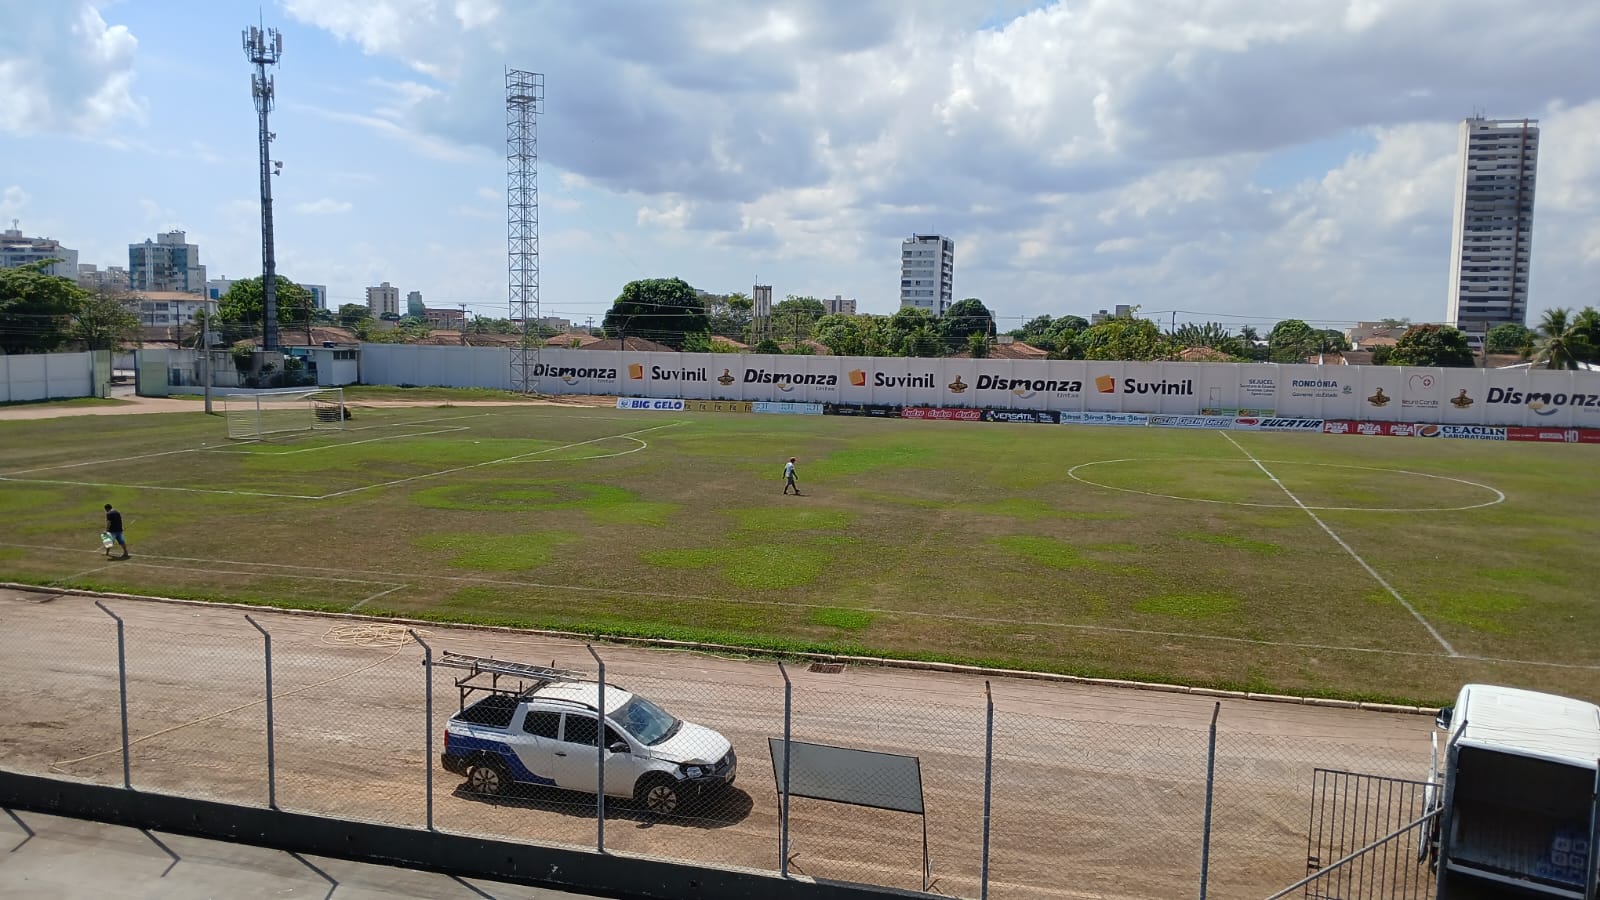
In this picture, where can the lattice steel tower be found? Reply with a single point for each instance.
(263, 47)
(524, 101)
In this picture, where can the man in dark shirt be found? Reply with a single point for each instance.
(114, 528)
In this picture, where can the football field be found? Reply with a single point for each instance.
(1342, 566)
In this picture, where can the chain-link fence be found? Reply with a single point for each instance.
(913, 780)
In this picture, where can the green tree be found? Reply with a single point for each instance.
(1291, 341)
(794, 317)
(1381, 354)
(730, 314)
(104, 322)
(1212, 334)
(1128, 339)
(699, 342)
(1561, 342)
(242, 308)
(35, 308)
(769, 346)
(1431, 345)
(665, 310)
(923, 341)
(965, 318)
(1587, 321)
(978, 345)
(351, 314)
(1507, 338)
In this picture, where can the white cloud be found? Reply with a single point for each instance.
(13, 202)
(324, 206)
(70, 74)
(1082, 154)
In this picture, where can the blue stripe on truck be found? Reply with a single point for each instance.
(466, 746)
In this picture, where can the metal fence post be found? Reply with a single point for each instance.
(272, 763)
(988, 785)
(427, 667)
(600, 755)
(1211, 782)
(122, 691)
(783, 813)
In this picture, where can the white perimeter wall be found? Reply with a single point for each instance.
(46, 376)
(1374, 393)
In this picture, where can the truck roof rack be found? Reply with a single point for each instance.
(529, 678)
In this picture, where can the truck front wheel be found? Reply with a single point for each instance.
(659, 795)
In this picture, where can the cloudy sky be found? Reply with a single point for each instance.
(1228, 159)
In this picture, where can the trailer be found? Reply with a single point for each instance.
(1516, 796)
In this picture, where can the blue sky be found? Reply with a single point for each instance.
(1081, 154)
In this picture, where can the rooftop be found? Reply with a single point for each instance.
(1530, 723)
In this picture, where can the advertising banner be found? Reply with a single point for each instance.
(943, 413)
(1470, 432)
(1019, 415)
(1191, 421)
(1545, 435)
(1103, 418)
(870, 410)
(650, 404)
(789, 409)
(734, 406)
(1249, 423)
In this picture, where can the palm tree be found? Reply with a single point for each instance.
(1561, 341)
(1587, 322)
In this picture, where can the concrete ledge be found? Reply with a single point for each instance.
(624, 877)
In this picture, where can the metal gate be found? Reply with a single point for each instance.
(1369, 837)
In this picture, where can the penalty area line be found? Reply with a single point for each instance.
(1347, 548)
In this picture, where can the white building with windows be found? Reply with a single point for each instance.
(168, 263)
(93, 278)
(1491, 236)
(17, 249)
(927, 272)
(383, 300)
(840, 306)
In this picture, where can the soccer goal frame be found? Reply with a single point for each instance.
(256, 415)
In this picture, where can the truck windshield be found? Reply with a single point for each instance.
(646, 721)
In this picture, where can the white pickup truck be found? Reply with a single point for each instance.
(544, 733)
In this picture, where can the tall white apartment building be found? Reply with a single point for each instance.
(1491, 238)
(383, 300)
(168, 263)
(927, 272)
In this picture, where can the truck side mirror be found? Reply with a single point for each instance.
(1443, 718)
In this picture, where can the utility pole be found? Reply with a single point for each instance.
(263, 47)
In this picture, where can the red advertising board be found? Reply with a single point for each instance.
(942, 412)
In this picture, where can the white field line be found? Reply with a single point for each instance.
(364, 600)
(1347, 548)
(387, 437)
(95, 462)
(392, 585)
(495, 462)
(158, 487)
(414, 578)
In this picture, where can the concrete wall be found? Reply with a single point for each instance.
(48, 376)
(1369, 393)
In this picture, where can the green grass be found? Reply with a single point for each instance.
(66, 403)
(919, 540)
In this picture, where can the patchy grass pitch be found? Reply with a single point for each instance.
(1143, 553)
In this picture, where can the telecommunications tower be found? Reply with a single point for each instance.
(524, 101)
(263, 47)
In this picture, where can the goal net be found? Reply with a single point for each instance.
(252, 417)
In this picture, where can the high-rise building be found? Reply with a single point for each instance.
(414, 305)
(839, 306)
(216, 288)
(319, 295)
(168, 263)
(384, 300)
(93, 278)
(17, 250)
(927, 272)
(761, 311)
(1491, 238)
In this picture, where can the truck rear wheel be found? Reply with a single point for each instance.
(487, 777)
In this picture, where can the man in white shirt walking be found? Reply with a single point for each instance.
(788, 477)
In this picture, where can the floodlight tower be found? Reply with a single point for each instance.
(263, 47)
(524, 101)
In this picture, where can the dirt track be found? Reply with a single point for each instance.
(1098, 792)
